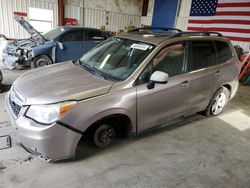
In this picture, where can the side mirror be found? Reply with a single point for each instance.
(60, 45)
(158, 77)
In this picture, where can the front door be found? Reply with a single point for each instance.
(73, 46)
(165, 102)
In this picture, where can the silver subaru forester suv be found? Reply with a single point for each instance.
(125, 86)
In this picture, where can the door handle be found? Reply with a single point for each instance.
(185, 83)
(217, 73)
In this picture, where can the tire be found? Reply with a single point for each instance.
(103, 135)
(218, 102)
(40, 61)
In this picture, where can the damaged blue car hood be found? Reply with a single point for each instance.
(29, 28)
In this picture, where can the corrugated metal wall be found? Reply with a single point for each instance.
(88, 17)
(146, 20)
(72, 11)
(182, 21)
(8, 25)
(96, 18)
(117, 21)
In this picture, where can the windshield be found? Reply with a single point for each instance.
(50, 35)
(116, 57)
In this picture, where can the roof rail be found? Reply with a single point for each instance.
(152, 28)
(196, 33)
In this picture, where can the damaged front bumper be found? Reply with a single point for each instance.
(51, 143)
(11, 61)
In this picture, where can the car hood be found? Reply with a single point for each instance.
(60, 82)
(29, 28)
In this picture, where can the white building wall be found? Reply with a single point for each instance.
(72, 11)
(89, 13)
(90, 17)
(120, 13)
(182, 21)
(9, 27)
(94, 17)
(147, 20)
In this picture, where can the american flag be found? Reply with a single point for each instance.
(229, 17)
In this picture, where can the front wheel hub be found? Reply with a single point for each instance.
(104, 135)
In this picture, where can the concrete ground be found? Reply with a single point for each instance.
(199, 152)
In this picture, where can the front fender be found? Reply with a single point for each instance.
(45, 49)
(107, 113)
(88, 111)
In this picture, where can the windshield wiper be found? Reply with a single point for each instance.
(92, 70)
(96, 71)
(105, 75)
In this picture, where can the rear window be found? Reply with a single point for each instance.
(224, 52)
(93, 35)
(72, 36)
(203, 54)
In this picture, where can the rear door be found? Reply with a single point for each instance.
(92, 38)
(205, 74)
(73, 46)
(226, 63)
(165, 102)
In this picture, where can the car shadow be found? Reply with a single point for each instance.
(4, 88)
(87, 150)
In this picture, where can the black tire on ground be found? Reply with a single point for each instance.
(103, 135)
(218, 102)
(40, 61)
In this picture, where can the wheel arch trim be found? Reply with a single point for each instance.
(108, 114)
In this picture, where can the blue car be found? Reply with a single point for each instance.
(58, 45)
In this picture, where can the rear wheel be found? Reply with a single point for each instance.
(218, 102)
(103, 135)
(40, 61)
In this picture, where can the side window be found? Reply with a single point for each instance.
(203, 54)
(224, 52)
(171, 59)
(72, 36)
(92, 35)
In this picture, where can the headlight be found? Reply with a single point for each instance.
(30, 54)
(19, 52)
(25, 53)
(48, 114)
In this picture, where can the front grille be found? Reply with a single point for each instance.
(14, 107)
